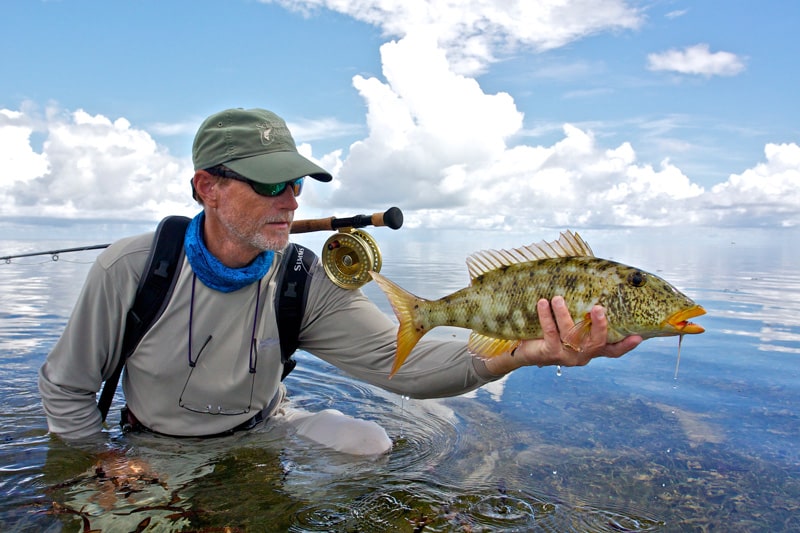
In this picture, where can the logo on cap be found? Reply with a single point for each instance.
(266, 133)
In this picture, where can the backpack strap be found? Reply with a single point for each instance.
(291, 301)
(152, 295)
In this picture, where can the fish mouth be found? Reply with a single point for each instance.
(680, 320)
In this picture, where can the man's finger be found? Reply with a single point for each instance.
(561, 313)
(599, 333)
(546, 320)
(622, 347)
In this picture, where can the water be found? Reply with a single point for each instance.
(618, 445)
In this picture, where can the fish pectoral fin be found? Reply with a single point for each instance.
(488, 347)
(578, 335)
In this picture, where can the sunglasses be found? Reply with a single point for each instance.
(264, 189)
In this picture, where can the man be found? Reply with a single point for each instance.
(211, 363)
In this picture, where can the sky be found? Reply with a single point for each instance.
(484, 114)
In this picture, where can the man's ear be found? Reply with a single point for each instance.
(205, 186)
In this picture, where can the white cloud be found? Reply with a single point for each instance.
(587, 93)
(676, 14)
(323, 128)
(442, 149)
(472, 32)
(20, 161)
(767, 194)
(89, 166)
(169, 129)
(437, 145)
(426, 125)
(697, 59)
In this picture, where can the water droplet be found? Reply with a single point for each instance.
(403, 399)
(558, 370)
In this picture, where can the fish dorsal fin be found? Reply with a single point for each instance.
(568, 245)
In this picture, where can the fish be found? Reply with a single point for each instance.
(499, 305)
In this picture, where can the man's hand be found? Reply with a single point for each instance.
(550, 350)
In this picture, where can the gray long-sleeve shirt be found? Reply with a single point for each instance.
(169, 395)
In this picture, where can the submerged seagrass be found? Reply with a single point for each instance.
(499, 306)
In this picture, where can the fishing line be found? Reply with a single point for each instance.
(678, 362)
(74, 262)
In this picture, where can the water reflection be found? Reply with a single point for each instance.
(616, 446)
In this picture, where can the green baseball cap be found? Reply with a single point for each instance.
(256, 143)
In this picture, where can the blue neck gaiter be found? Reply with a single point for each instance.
(211, 271)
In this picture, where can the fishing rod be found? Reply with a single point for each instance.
(391, 218)
(54, 253)
(347, 256)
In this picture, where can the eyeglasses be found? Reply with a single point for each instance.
(213, 408)
(264, 189)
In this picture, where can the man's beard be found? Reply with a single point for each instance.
(255, 238)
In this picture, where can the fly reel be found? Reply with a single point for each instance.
(348, 255)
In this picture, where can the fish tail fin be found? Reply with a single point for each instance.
(404, 304)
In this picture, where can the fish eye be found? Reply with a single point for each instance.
(637, 278)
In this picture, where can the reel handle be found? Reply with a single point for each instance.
(391, 218)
